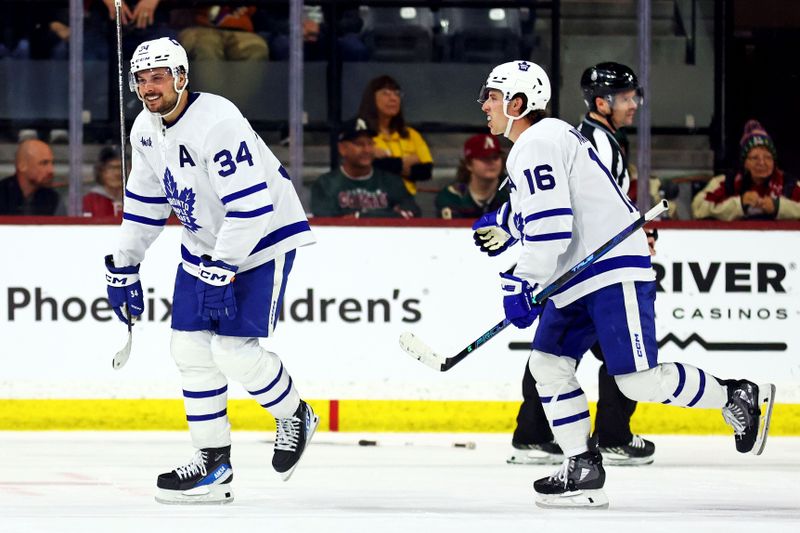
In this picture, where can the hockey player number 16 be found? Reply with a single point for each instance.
(541, 175)
(225, 159)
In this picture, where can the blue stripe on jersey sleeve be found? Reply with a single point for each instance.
(244, 192)
(280, 234)
(189, 257)
(549, 236)
(548, 213)
(145, 220)
(273, 238)
(146, 199)
(250, 214)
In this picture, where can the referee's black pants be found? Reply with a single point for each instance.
(612, 421)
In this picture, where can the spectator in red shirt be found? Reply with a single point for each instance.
(105, 198)
(760, 190)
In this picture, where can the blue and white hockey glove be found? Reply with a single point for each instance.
(214, 287)
(517, 294)
(124, 290)
(492, 233)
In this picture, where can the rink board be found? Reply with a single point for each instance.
(728, 303)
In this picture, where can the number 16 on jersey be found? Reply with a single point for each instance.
(540, 179)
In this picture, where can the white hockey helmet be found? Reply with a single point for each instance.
(158, 53)
(518, 77)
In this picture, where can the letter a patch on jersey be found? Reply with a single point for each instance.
(185, 158)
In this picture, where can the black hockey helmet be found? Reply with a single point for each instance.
(606, 79)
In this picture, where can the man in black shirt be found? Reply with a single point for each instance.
(29, 192)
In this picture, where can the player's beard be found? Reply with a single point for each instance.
(165, 105)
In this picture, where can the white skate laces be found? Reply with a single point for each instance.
(288, 434)
(734, 415)
(562, 473)
(197, 464)
(637, 442)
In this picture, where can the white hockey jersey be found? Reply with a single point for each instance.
(565, 204)
(235, 200)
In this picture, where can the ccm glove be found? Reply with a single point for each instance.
(517, 295)
(492, 233)
(214, 287)
(124, 290)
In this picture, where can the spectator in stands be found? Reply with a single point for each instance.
(273, 21)
(29, 191)
(475, 191)
(105, 198)
(224, 32)
(399, 148)
(759, 190)
(35, 30)
(356, 189)
(41, 30)
(141, 21)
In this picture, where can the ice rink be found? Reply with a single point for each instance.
(410, 483)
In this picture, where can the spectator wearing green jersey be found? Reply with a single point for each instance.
(357, 189)
(475, 190)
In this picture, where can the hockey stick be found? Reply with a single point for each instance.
(120, 82)
(420, 351)
(121, 356)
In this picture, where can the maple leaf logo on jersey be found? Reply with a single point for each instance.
(519, 223)
(182, 202)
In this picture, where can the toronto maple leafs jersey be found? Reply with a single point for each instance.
(235, 200)
(566, 204)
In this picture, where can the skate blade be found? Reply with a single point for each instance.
(314, 423)
(627, 461)
(205, 495)
(582, 499)
(525, 459)
(766, 399)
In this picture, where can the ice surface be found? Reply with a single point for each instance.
(411, 483)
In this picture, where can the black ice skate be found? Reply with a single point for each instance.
(545, 453)
(578, 483)
(637, 452)
(291, 439)
(748, 412)
(206, 479)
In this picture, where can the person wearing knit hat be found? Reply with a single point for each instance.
(756, 136)
(475, 189)
(760, 190)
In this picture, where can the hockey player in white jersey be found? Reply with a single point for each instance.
(612, 95)
(563, 205)
(194, 154)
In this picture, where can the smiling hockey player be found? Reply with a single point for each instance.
(195, 154)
